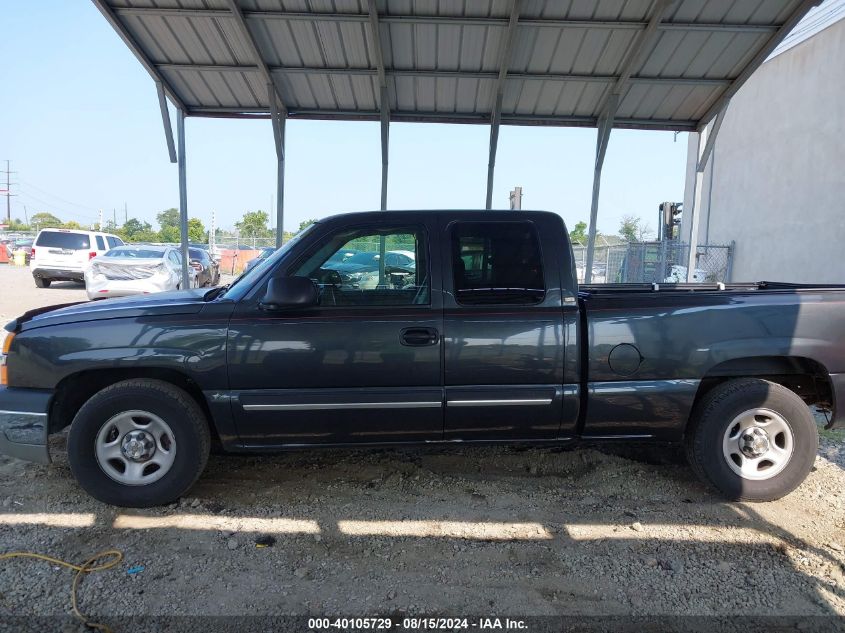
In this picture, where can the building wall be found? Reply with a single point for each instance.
(775, 184)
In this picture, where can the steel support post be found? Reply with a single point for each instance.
(706, 141)
(183, 196)
(165, 120)
(279, 118)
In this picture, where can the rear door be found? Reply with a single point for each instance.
(63, 249)
(503, 331)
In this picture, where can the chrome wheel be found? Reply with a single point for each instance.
(758, 444)
(135, 448)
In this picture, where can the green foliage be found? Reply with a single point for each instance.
(196, 231)
(254, 224)
(633, 229)
(135, 227)
(169, 234)
(305, 224)
(71, 224)
(17, 225)
(578, 235)
(45, 220)
(168, 218)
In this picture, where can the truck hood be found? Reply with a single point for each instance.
(159, 304)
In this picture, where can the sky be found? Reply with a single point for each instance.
(80, 123)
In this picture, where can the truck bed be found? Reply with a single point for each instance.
(639, 288)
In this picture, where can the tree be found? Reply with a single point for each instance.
(578, 235)
(196, 231)
(71, 224)
(168, 217)
(45, 220)
(633, 229)
(254, 224)
(169, 234)
(135, 227)
(305, 224)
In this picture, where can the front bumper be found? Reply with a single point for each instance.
(23, 423)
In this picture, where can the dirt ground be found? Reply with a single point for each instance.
(507, 531)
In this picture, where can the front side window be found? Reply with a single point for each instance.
(101, 245)
(349, 270)
(497, 263)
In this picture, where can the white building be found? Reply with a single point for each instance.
(775, 183)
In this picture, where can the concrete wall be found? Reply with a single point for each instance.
(775, 184)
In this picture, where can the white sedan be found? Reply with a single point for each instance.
(135, 270)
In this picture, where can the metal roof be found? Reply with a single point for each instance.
(671, 65)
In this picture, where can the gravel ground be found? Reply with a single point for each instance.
(445, 531)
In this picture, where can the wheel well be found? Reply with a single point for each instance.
(807, 378)
(75, 390)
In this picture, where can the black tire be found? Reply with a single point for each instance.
(41, 282)
(717, 411)
(172, 404)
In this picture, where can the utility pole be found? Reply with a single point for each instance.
(211, 234)
(516, 198)
(8, 192)
(125, 213)
(100, 223)
(114, 216)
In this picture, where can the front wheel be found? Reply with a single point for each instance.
(752, 439)
(40, 282)
(138, 443)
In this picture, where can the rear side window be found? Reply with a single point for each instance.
(68, 241)
(113, 242)
(101, 245)
(497, 263)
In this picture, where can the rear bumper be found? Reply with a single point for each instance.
(45, 272)
(837, 382)
(23, 423)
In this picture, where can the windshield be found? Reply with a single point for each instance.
(134, 253)
(256, 272)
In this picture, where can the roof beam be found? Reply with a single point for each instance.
(446, 74)
(761, 56)
(456, 20)
(496, 115)
(136, 49)
(236, 13)
(165, 120)
(669, 125)
(384, 103)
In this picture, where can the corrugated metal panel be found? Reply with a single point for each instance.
(442, 57)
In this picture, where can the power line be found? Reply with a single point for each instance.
(52, 195)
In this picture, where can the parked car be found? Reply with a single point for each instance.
(63, 254)
(678, 274)
(262, 257)
(362, 270)
(492, 341)
(135, 270)
(208, 270)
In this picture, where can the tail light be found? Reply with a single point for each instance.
(32, 254)
(196, 266)
(92, 255)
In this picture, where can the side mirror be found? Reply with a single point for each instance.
(286, 293)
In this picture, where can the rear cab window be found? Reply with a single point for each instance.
(64, 240)
(496, 263)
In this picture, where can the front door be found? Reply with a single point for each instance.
(365, 366)
(503, 333)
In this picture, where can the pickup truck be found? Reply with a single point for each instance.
(486, 338)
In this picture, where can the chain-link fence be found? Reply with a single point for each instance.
(654, 262)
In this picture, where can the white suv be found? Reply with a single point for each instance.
(63, 254)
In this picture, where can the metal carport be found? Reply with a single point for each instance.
(644, 64)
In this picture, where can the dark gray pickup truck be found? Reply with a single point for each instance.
(390, 328)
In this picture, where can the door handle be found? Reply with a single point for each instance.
(418, 336)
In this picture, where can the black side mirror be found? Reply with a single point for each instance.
(286, 293)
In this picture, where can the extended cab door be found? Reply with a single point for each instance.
(504, 333)
(364, 366)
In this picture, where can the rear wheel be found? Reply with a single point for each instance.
(138, 443)
(41, 282)
(752, 439)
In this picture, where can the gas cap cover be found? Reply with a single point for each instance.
(624, 359)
